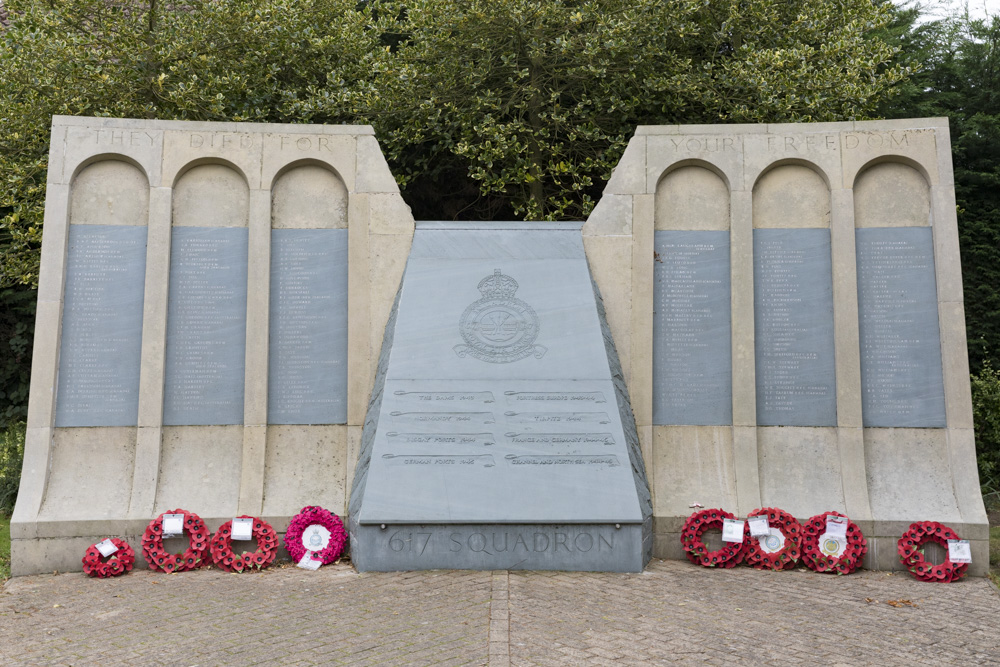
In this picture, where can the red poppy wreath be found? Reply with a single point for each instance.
(695, 527)
(825, 551)
(117, 563)
(910, 548)
(778, 550)
(318, 531)
(192, 558)
(222, 547)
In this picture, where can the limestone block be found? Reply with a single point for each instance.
(791, 196)
(946, 249)
(800, 469)
(741, 294)
(200, 470)
(692, 198)
(611, 217)
(722, 151)
(110, 192)
(302, 146)
(309, 196)
(55, 236)
(44, 366)
(389, 214)
(154, 318)
(84, 143)
(955, 365)
(870, 142)
(211, 195)
(910, 475)
(629, 175)
(816, 145)
(694, 465)
(305, 465)
(373, 173)
(891, 194)
(217, 145)
(91, 473)
(610, 259)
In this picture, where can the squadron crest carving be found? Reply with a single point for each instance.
(499, 328)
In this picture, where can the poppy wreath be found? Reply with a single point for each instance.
(729, 555)
(786, 553)
(315, 516)
(910, 547)
(193, 557)
(117, 563)
(820, 558)
(222, 547)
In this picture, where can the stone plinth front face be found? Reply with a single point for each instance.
(788, 308)
(208, 300)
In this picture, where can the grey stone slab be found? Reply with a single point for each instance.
(579, 547)
(692, 350)
(482, 461)
(102, 326)
(206, 326)
(793, 328)
(495, 408)
(901, 378)
(307, 358)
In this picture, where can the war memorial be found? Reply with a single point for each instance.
(246, 319)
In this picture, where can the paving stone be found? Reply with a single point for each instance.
(673, 613)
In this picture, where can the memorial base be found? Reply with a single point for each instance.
(578, 547)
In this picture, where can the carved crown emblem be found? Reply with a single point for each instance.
(497, 286)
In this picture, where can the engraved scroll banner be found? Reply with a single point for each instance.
(793, 324)
(102, 326)
(901, 378)
(206, 326)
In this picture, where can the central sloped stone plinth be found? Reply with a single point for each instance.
(499, 435)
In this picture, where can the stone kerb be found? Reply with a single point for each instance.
(791, 192)
(208, 194)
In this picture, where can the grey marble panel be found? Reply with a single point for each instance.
(206, 326)
(489, 241)
(457, 319)
(692, 350)
(307, 358)
(102, 326)
(489, 463)
(901, 379)
(793, 328)
(575, 547)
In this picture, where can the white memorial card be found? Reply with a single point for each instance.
(309, 563)
(732, 530)
(173, 524)
(758, 526)
(242, 529)
(959, 551)
(315, 537)
(832, 545)
(106, 547)
(836, 526)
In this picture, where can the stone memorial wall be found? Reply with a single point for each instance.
(781, 325)
(208, 299)
(839, 298)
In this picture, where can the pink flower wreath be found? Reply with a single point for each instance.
(316, 516)
(118, 563)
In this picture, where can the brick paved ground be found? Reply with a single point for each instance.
(674, 613)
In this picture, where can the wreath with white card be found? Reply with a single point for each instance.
(694, 529)
(170, 524)
(911, 552)
(244, 528)
(776, 547)
(316, 532)
(118, 554)
(832, 543)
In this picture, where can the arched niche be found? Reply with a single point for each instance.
(891, 194)
(791, 196)
(110, 192)
(308, 196)
(692, 197)
(211, 195)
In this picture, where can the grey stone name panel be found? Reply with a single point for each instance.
(793, 328)
(307, 358)
(99, 357)
(579, 547)
(692, 351)
(499, 451)
(901, 377)
(206, 326)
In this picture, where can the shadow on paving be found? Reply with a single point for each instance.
(673, 613)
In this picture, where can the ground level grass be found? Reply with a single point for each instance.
(4, 548)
